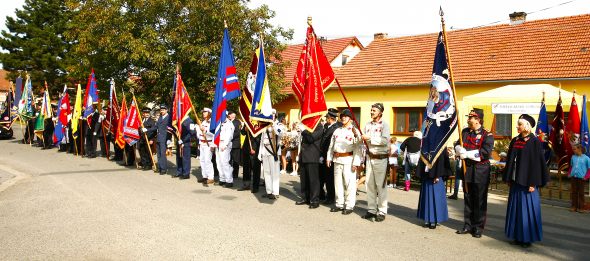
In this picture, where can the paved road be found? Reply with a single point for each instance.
(59, 207)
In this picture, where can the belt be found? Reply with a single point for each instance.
(342, 154)
(378, 156)
(205, 141)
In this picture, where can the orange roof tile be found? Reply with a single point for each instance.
(540, 49)
(4, 83)
(332, 48)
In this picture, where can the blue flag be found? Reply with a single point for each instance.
(91, 96)
(261, 102)
(584, 137)
(227, 87)
(18, 90)
(441, 115)
(543, 130)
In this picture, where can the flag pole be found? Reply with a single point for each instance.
(193, 108)
(452, 80)
(147, 141)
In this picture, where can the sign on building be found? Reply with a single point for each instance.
(516, 108)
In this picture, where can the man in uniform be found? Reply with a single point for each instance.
(309, 164)
(376, 136)
(235, 145)
(223, 154)
(250, 162)
(49, 127)
(269, 154)
(327, 173)
(205, 142)
(183, 150)
(148, 130)
(92, 132)
(162, 138)
(345, 152)
(104, 149)
(476, 151)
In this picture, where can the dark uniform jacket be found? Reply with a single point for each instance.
(310, 145)
(526, 162)
(161, 129)
(327, 137)
(235, 141)
(151, 132)
(482, 140)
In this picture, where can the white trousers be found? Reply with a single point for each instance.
(225, 169)
(205, 157)
(271, 170)
(376, 193)
(345, 185)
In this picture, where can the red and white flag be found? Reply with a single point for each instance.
(132, 123)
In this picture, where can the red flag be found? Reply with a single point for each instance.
(119, 139)
(112, 117)
(572, 128)
(313, 77)
(256, 127)
(132, 123)
(182, 105)
(556, 137)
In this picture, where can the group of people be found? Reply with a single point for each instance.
(329, 158)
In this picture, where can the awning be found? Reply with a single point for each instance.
(522, 93)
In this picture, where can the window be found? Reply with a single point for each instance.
(344, 59)
(407, 120)
(503, 125)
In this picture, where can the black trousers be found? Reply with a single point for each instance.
(90, 144)
(144, 154)
(48, 138)
(214, 162)
(103, 145)
(246, 167)
(130, 153)
(476, 205)
(118, 152)
(310, 182)
(235, 161)
(255, 165)
(327, 180)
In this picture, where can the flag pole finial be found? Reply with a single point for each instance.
(225, 23)
(440, 11)
(309, 20)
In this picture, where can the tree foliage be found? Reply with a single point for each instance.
(35, 42)
(145, 39)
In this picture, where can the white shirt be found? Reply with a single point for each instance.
(345, 139)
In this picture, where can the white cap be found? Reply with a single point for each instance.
(207, 110)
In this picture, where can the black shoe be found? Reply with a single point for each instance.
(244, 188)
(254, 191)
(336, 209)
(228, 185)
(525, 245)
(329, 202)
(201, 180)
(314, 205)
(369, 215)
(271, 196)
(453, 197)
(463, 231)
(184, 177)
(432, 226)
(174, 176)
(301, 202)
(476, 233)
(346, 212)
(380, 218)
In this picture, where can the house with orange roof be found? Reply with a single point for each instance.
(397, 71)
(4, 85)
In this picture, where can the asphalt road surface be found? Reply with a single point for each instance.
(54, 206)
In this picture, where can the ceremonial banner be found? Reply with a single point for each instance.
(119, 138)
(584, 135)
(44, 113)
(313, 77)
(77, 112)
(262, 102)
(572, 129)
(254, 127)
(182, 105)
(18, 90)
(62, 117)
(112, 114)
(441, 115)
(25, 106)
(90, 97)
(132, 123)
(227, 87)
(542, 131)
(556, 137)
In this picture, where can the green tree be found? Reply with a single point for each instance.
(145, 39)
(35, 43)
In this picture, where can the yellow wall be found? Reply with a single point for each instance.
(415, 96)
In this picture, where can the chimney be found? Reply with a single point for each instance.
(323, 40)
(378, 36)
(517, 18)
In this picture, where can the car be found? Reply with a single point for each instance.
(5, 132)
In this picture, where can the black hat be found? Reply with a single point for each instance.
(332, 113)
(378, 106)
(163, 107)
(476, 112)
(146, 109)
(528, 118)
(346, 112)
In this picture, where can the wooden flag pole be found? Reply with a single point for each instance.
(452, 80)
(192, 108)
(147, 141)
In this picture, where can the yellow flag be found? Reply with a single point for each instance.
(77, 109)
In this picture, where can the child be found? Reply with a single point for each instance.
(579, 171)
(393, 152)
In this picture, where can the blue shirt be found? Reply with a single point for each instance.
(580, 166)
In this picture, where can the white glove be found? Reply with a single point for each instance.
(143, 130)
(461, 151)
(222, 147)
(321, 159)
(179, 142)
(94, 133)
(473, 155)
(168, 142)
(458, 149)
(193, 127)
